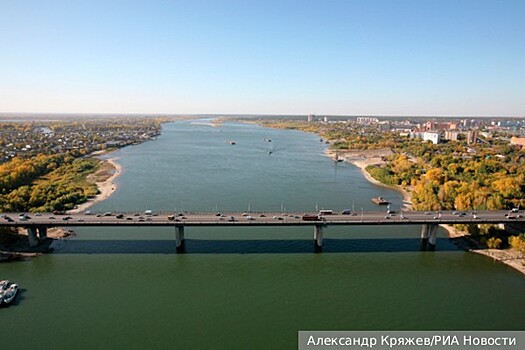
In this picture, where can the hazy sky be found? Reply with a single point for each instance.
(421, 57)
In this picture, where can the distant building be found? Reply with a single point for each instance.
(439, 126)
(518, 141)
(367, 120)
(451, 135)
(325, 119)
(384, 126)
(431, 136)
(472, 135)
(311, 118)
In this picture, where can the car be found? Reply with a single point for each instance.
(514, 210)
(249, 217)
(427, 213)
(108, 213)
(231, 218)
(244, 214)
(148, 219)
(88, 212)
(387, 217)
(218, 214)
(390, 211)
(80, 220)
(280, 218)
(119, 216)
(262, 216)
(346, 212)
(38, 214)
(129, 218)
(51, 218)
(474, 216)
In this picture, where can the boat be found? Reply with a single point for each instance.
(380, 201)
(8, 292)
(231, 142)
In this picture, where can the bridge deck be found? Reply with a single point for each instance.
(260, 219)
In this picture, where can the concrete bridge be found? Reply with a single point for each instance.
(37, 224)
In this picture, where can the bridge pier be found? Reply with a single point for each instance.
(318, 238)
(42, 233)
(31, 235)
(179, 238)
(428, 236)
(424, 236)
(432, 237)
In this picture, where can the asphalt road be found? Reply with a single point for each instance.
(259, 219)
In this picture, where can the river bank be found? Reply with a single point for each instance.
(104, 178)
(462, 240)
(15, 246)
(364, 158)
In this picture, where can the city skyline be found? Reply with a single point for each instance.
(403, 58)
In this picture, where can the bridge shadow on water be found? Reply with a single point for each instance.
(205, 246)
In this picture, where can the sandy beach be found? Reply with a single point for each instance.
(104, 178)
(364, 158)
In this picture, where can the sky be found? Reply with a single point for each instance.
(331, 57)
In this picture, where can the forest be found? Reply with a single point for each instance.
(45, 183)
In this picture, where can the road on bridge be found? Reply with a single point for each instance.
(260, 219)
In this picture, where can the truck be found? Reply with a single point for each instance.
(311, 217)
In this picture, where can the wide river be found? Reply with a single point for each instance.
(246, 288)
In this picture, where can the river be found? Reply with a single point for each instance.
(246, 288)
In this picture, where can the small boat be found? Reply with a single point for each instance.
(380, 201)
(231, 142)
(270, 152)
(8, 292)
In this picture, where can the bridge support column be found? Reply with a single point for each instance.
(318, 238)
(31, 235)
(179, 238)
(432, 233)
(424, 236)
(42, 233)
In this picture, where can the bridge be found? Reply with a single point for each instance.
(37, 224)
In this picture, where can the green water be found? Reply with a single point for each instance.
(246, 288)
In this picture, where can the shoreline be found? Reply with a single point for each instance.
(104, 178)
(362, 161)
(106, 185)
(461, 239)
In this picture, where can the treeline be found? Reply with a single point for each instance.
(46, 183)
